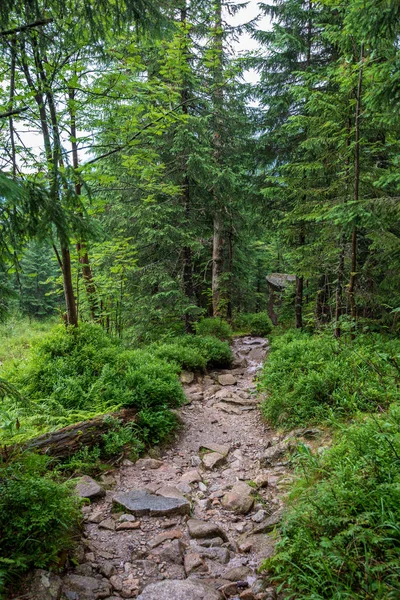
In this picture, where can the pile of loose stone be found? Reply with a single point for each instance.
(196, 522)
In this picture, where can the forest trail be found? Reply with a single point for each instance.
(213, 552)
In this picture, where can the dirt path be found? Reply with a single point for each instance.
(195, 524)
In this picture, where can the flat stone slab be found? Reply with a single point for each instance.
(142, 503)
(227, 379)
(89, 488)
(239, 499)
(228, 408)
(220, 448)
(205, 529)
(179, 590)
(212, 460)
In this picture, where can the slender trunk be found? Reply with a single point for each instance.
(81, 247)
(353, 274)
(300, 288)
(53, 155)
(187, 272)
(11, 107)
(72, 315)
(229, 273)
(218, 221)
(339, 290)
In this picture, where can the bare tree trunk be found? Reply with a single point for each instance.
(81, 247)
(353, 274)
(218, 221)
(300, 288)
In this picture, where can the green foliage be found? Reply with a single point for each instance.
(195, 352)
(37, 516)
(317, 379)
(341, 537)
(258, 324)
(216, 327)
(156, 427)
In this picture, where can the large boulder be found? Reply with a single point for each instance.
(179, 590)
(85, 588)
(45, 585)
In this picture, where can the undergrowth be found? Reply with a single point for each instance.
(341, 536)
(75, 374)
(317, 379)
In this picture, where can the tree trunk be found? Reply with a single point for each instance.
(81, 247)
(218, 221)
(300, 288)
(353, 274)
(70, 303)
(70, 439)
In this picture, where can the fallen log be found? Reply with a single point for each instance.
(70, 439)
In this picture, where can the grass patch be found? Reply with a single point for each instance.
(317, 379)
(340, 538)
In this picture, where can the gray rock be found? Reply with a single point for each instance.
(192, 476)
(85, 588)
(270, 523)
(148, 463)
(170, 491)
(259, 516)
(179, 590)
(107, 569)
(227, 379)
(193, 562)
(89, 488)
(212, 542)
(237, 574)
(45, 585)
(211, 460)
(205, 529)
(274, 454)
(220, 448)
(221, 555)
(171, 552)
(107, 524)
(239, 499)
(142, 503)
(187, 377)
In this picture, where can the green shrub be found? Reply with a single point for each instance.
(73, 374)
(156, 427)
(258, 324)
(194, 352)
(316, 379)
(341, 536)
(38, 516)
(215, 327)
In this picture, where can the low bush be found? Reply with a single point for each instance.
(73, 374)
(316, 379)
(258, 324)
(340, 538)
(38, 517)
(194, 352)
(215, 327)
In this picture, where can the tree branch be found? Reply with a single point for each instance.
(10, 113)
(122, 146)
(38, 23)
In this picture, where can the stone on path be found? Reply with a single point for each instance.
(274, 454)
(170, 491)
(228, 408)
(142, 503)
(211, 460)
(187, 377)
(227, 379)
(205, 529)
(179, 590)
(89, 488)
(148, 463)
(85, 588)
(193, 562)
(270, 523)
(237, 574)
(172, 534)
(107, 524)
(220, 448)
(191, 476)
(239, 499)
(45, 585)
(128, 526)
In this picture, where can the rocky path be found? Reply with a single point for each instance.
(195, 523)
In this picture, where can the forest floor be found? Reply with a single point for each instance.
(196, 522)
